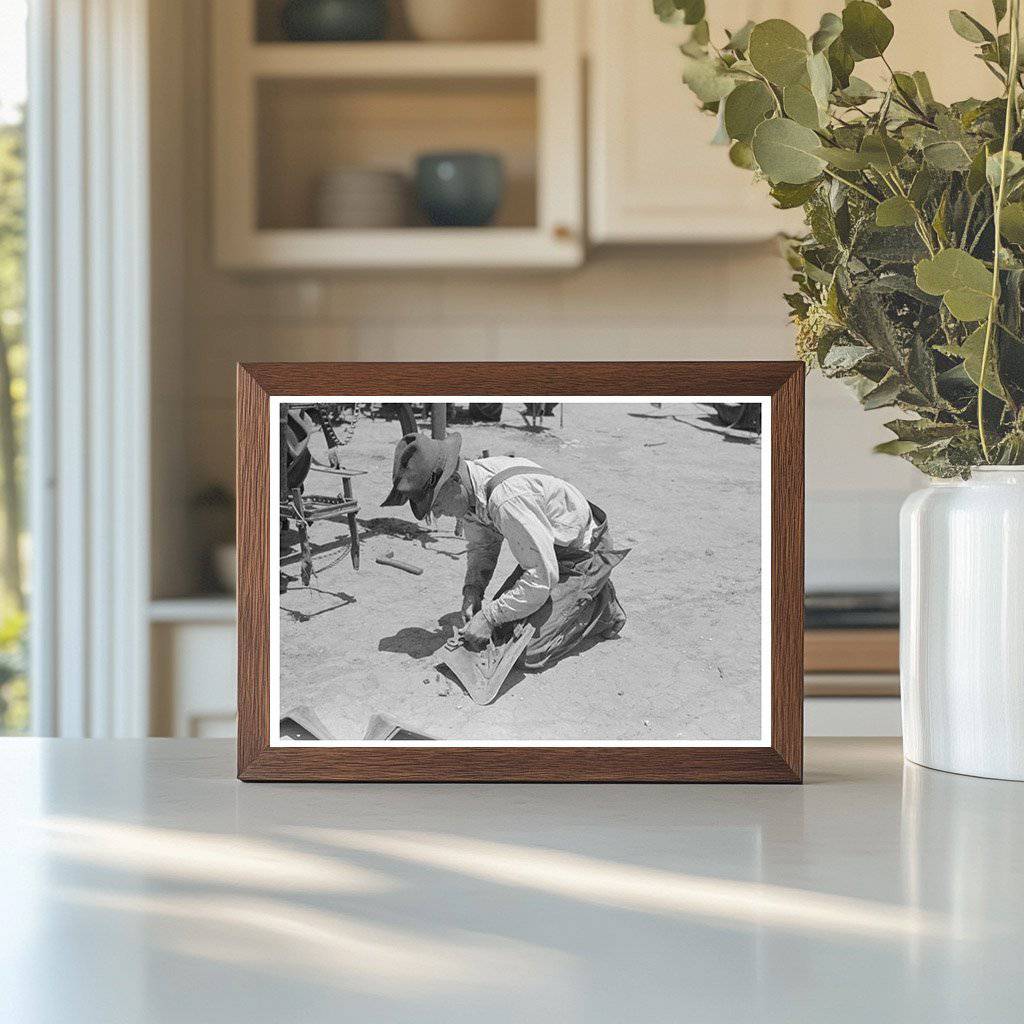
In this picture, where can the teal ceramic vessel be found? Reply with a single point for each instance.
(334, 21)
(460, 189)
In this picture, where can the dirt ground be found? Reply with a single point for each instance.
(679, 490)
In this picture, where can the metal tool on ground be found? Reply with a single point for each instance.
(384, 727)
(302, 723)
(396, 563)
(483, 673)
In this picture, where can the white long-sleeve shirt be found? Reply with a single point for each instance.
(533, 513)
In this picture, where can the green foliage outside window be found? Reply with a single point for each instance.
(13, 409)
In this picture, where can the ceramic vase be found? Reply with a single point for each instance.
(962, 624)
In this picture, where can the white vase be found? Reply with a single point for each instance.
(962, 624)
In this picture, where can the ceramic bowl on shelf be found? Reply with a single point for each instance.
(460, 189)
(334, 21)
(362, 197)
(470, 20)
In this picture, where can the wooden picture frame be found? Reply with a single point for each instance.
(779, 759)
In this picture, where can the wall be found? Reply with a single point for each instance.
(651, 303)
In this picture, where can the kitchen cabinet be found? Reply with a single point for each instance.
(654, 177)
(288, 114)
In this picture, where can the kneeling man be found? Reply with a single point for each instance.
(560, 540)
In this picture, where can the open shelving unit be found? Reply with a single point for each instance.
(286, 113)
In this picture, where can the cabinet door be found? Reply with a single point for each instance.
(653, 174)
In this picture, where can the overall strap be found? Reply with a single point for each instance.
(499, 478)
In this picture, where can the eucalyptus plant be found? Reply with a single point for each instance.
(910, 277)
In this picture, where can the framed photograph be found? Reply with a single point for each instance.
(579, 572)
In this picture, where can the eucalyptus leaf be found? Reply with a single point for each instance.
(693, 10)
(921, 370)
(923, 430)
(905, 84)
(922, 185)
(779, 51)
(841, 62)
(739, 41)
(788, 196)
(1012, 223)
(843, 358)
(883, 395)
(993, 167)
(999, 9)
(857, 91)
(866, 29)
(801, 106)
(697, 44)
(741, 155)
(666, 10)
(924, 87)
(883, 152)
(819, 75)
(889, 246)
(844, 159)
(969, 28)
(894, 212)
(972, 351)
(868, 321)
(963, 281)
(690, 12)
(745, 108)
(708, 80)
(721, 136)
(895, 447)
(787, 152)
(976, 176)
(947, 156)
(829, 30)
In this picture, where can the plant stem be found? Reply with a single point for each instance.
(910, 102)
(775, 98)
(1011, 108)
(923, 231)
(853, 185)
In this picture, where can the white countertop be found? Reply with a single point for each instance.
(140, 882)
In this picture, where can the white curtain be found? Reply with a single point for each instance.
(88, 386)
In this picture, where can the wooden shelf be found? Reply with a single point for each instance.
(318, 248)
(285, 113)
(393, 60)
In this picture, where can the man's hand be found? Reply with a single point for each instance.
(476, 632)
(472, 602)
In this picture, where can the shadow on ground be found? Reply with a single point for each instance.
(421, 643)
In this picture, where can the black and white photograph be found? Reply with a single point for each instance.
(516, 571)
